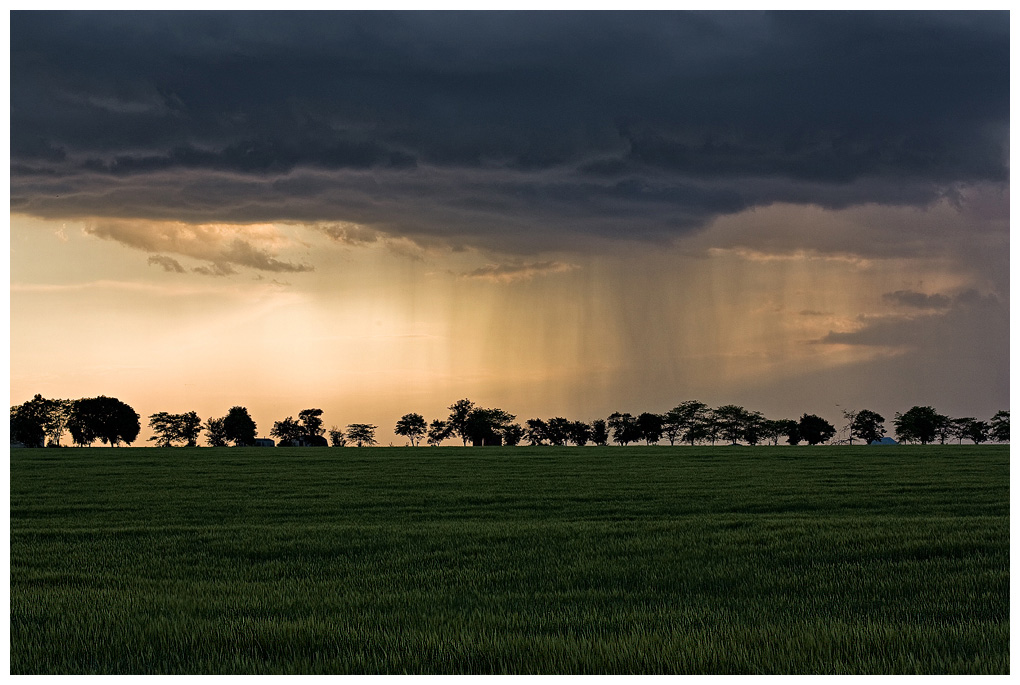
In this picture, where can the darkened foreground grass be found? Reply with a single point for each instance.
(523, 560)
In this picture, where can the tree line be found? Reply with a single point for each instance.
(42, 421)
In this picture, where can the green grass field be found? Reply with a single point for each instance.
(516, 560)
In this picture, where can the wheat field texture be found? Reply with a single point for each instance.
(523, 560)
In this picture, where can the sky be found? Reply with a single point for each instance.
(555, 213)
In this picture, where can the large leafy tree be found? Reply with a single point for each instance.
(337, 437)
(691, 418)
(579, 432)
(731, 420)
(943, 428)
(413, 427)
(458, 419)
(438, 431)
(215, 432)
(104, 418)
(239, 427)
(536, 431)
(287, 431)
(868, 426)
(486, 426)
(755, 425)
(189, 427)
(29, 421)
(171, 428)
(164, 427)
(814, 429)
(625, 428)
(918, 424)
(1000, 426)
(978, 431)
(650, 426)
(361, 434)
(311, 422)
(557, 430)
(39, 419)
(774, 429)
(599, 432)
(672, 426)
(513, 434)
(958, 428)
(58, 412)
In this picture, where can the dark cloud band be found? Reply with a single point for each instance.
(481, 126)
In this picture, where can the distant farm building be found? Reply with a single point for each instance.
(265, 442)
(884, 441)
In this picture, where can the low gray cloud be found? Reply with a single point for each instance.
(515, 131)
(349, 234)
(215, 269)
(910, 298)
(508, 273)
(168, 264)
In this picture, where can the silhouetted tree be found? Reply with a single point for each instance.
(868, 426)
(412, 427)
(458, 419)
(536, 431)
(755, 425)
(625, 428)
(849, 415)
(650, 426)
(918, 424)
(691, 418)
(672, 426)
(215, 432)
(943, 428)
(977, 432)
(287, 431)
(311, 424)
(29, 421)
(730, 418)
(438, 431)
(239, 427)
(793, 435)
(337, 437)
(164, 426)
(599, 432)
(772, 430)
(580, 433)
(958, 427)
(189, 427)
(512, 434)
(557, 431)
(710, 428)
(58, 412)
(170, 428)
(1000, 426)
(814, 429)
(104, 418)
(361, 434)
(485, 426)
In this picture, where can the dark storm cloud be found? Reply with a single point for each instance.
(500, 128)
